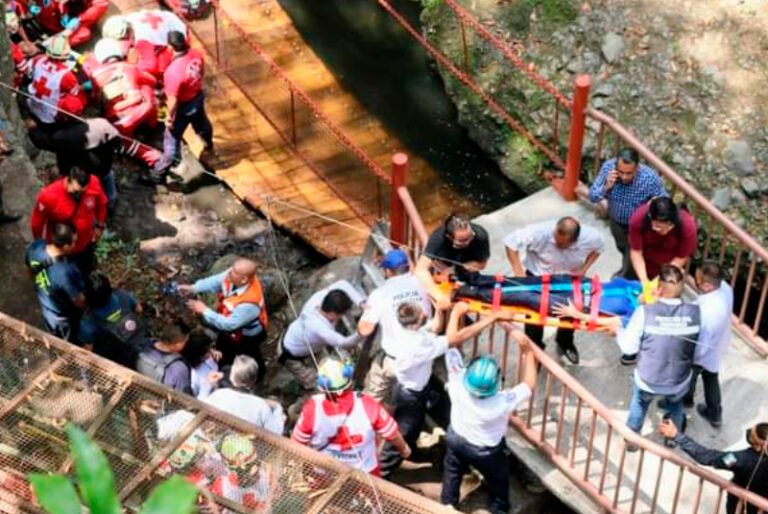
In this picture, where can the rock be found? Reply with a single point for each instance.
(591, 62)
(274, 291)
(738, 157)
(612, 47)
(223, 263)
(604, 89)
(737, 196)
(750, 187)
(722, 198)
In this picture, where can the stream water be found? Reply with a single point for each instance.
(393, 77)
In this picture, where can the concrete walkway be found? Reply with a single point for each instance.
(744, 378)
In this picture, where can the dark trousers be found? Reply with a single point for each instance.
(85, 260)
(490, 461)
(188, 113)
(712, 395)
(247, 345)
(563, 337)
(410, 409)
(620, 235)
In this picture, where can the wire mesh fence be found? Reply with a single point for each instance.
(149, 433)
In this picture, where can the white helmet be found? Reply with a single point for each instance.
(116, 27)
(107, 48)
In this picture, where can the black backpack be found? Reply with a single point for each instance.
(122, 333)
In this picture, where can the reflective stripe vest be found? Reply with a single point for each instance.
(668, 343)
(350, 439)
(252, 294)
(119, 85)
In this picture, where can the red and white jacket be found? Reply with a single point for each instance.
(53, 85)
(346, 428)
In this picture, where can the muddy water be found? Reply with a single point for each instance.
(393, 77)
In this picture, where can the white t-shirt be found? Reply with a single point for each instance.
(542, 256)
(414, 354)
(715, 337)
(250, 408)
(313, 329)
(481, 421)
(382, 304)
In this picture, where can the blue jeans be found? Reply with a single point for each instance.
(490, 461)
(110, 188)
(187, 113)
(638, 407)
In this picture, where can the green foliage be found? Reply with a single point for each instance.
(109, 244)
(517, 16)
(556, 12)
(55, 493)
(96, 485)
(431, 4)
(528, 159)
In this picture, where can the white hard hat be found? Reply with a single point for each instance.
(57, 47)
(116, 27)
(107, 48)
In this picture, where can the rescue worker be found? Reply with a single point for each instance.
(343, 423)
(77, 199)
(54, 86)
(306, 339)
(479, 421)
(661, 338)
(417, 391)
(400, 287)
(145, 34)
(241, 315)
(749, 466)
(459, 247)
(127, 94)
(58, 282)
(161, 359)
(112, 326)
(185, 103)
(71, 19)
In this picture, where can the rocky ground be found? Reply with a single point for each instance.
(687, 77)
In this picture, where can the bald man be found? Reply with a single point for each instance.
(240, 317)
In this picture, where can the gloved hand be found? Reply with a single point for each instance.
(34, 9)
(72, 24)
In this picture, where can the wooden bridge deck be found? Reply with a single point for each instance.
(248, 103)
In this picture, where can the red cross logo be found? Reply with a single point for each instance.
(41, 88)
(152, 19)
(345, 440)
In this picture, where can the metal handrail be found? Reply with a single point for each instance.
(687, 189)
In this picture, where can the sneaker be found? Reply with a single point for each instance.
(687, 402)
(631, 447)
(670, 443)
(629, 359)
(704, 413)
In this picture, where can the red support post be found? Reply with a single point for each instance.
(397, 232)
(576, 136)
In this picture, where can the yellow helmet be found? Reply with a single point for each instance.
(57, 47)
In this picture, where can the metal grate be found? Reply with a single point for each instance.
(149, 432)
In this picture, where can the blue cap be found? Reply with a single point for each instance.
(394, 259)
(482, 377)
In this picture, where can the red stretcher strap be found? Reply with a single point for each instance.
(578, 298)
(496, 298)
(594, 306)
(544, 307)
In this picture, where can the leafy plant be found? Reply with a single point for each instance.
(96, 485)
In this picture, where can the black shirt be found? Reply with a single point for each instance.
(746, 465)
(440, 248)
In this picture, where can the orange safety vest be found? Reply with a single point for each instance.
(252, 294)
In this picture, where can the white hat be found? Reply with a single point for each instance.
(116, 27)
(107, 48)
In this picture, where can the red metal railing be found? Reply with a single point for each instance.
(293, 114)
(588, 443)
(462, 65)
(723, 241)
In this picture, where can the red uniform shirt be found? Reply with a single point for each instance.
(184, 76)
(657, 249)
(54, 83)
(124, 89)
(55, 205)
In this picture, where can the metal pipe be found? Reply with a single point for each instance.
(397, 213)
(576, 136)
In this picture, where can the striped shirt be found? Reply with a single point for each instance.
(623, 199)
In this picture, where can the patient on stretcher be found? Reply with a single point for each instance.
(564, 296)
